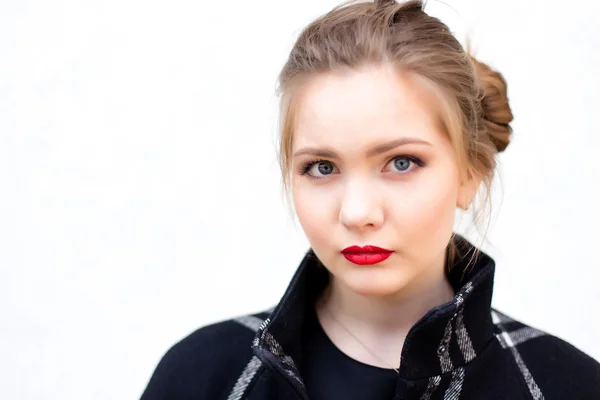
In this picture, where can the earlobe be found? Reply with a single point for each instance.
(463, 202)
(467, 204)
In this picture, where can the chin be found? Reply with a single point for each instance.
(373, 281)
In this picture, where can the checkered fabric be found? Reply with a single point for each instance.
(463, 349)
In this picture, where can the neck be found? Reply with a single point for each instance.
(382, 323)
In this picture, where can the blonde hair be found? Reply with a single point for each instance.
(475, 110)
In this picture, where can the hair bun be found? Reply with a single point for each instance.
(497, 114)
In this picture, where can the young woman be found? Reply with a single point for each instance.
(388, 125)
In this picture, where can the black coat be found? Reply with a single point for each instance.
(463, 349)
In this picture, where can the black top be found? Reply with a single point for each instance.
(460, 350)
(330, 374)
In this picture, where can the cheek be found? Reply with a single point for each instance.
(314, 209)
(425, 212)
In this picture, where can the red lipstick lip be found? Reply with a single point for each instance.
(366, 255)
(368, 249)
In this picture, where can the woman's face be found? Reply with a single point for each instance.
(372, 166)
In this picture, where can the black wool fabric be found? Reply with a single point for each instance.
(462, 349)
(329, 374)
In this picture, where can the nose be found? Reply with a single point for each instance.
(360, 208)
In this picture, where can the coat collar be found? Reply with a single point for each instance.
(447, 336)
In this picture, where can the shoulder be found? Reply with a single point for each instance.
(217, 354)
(550, 364)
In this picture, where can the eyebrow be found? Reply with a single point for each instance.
(381, 148)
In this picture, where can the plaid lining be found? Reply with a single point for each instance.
(249, 321)
(508, 332)
(434, 382)
(509, 340)
(444, 349)
(245, 378)
(464, 341)
(453, 391)
(265, 337)
(466, 348)
(253, 323)
(434, 362)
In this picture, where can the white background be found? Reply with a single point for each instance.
(140, 190)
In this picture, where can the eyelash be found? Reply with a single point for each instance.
(305, 168)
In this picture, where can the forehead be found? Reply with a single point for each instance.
(358, 107)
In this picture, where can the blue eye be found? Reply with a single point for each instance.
(405, 164)
(402, 163)
(323, 168)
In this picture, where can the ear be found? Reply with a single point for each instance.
(468, 190)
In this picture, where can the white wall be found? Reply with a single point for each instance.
(140, 193)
